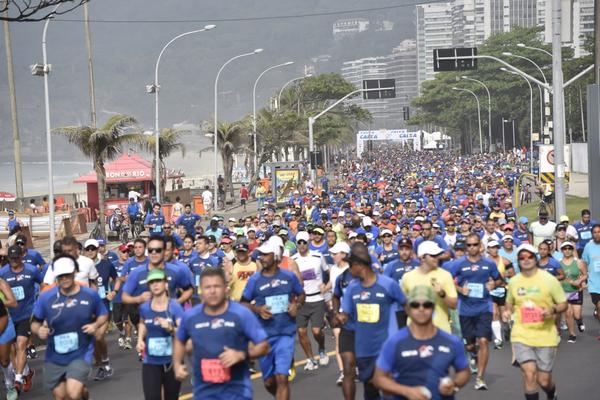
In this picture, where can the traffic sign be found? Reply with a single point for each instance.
(456, 59)
(379, 94)
(547, 158)
(548, 177)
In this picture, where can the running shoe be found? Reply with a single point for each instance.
(563, 326)
(101, 374)
(127, 344)
(12, 394)
(292, 374)
(18, 386)
(340, 379)
(323, 358)
(581, 326)
(121, 342)
(28, 384)
(498, 344)
(109, 369)
(32, 353)
(473, 365)
(572, 339)
(311, 365)
(480, 384)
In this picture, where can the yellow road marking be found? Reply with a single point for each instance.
(258, 375)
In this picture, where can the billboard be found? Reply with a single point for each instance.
(286, 181)
(401, 135)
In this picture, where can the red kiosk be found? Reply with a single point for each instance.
(128, 172)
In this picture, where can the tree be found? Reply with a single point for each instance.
(35, 10)
(168, 142)
(102, 145)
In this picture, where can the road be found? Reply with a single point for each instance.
(575, 379)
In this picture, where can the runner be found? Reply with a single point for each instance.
(414, 363)
(188, 219)
(591, 257)
(311, 266)
(368, 302)
(207, 200)
(276, 294)
(534, 297)
(573, 285)
(507, 271)
(154, 220)
(159, 318)
(86, 274)
(243, 269)
(119, 315)
(584, 230)
(68, 316)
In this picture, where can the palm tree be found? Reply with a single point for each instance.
(168, 142)
(102, 145)
(231, 138)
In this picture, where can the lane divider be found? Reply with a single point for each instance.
(258, 375)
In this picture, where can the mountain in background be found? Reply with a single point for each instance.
(125, 55)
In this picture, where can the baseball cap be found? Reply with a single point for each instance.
(226, 240)
(123, 248)
(283, 232)
(460, 245)
(351, 235)
(493, 243)
(156, 274)
(341, 247)
(429, 247)
(21, 240)
(11, 212)
(341, 214)
(91, 242)
(367, 221)
(507, 237)
(302, 235)
(385, 232)
(270, 247)
(405, 242)
(232, 219)
(144, 234)
(564, 218)
(318, 229)
(63, 266)
(241, 246)
(566, 244)
(101, 242)
(14, 251)
(421, 293)
(523, 220)
(526, 247)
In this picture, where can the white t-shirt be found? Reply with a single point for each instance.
(87, 272)
(133, 195)
(542, 232)
(311, 269)
(207, 197)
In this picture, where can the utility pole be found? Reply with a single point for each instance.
(88, 43)
(12, 92)
(597, 40)
(593, 119)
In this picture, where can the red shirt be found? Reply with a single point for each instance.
(244, 193)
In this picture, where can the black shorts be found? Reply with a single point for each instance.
(499, 301)
(243, 202)
(131, 312)
(346, 341)
(23, 327)
(575, 298)
(479, 326)
(366, 368)
(595, 298)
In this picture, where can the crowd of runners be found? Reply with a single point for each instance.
(417, 263)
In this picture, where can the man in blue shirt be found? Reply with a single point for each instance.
(188, 219)
(414, 362)
(276, 294)
(155, 220)
(30, 256)
(133, 208)
(22, 279)
(475, 277)
(584, 230)
(220, 331)
(591, 257)
(369, 302)
(68, 315)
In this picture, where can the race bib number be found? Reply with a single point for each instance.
(197, 278)
(367, 313)
(498, 292)
(475, 290)
(277, 304)
(586, 235)
(596, 265)
(66, 342)
(102, 292)
(214, 372)
(531, 315)
(308, 274)
(19, 292)
(160, 346)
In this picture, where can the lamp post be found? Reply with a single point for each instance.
(489, 108)
(44, 70)
(530, 116)
(215, 126)
(155, 88)
(478, 114)
(287, 84)
(503, 136)
(523, 46)
(254, 106)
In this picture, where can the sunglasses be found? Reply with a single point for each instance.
(568, 248)
(167, 227)
(428, 305)
(156, 250)
(302, 242)
(473, 244)
(508, 229)
(91, 248)
(529, 257)
(387, 236)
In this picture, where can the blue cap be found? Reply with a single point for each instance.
(102, 241)
(523, 220)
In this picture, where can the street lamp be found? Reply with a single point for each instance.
(288, 83)
(155, 88)
(530, 116)
(478, 114)
(513, 132)
(254, 105)
(215, 126)
(489, 108)
(44, 70)
(523, 46)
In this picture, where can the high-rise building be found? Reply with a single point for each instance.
(577, 19)
(434, 31)
(366, 68)
(500, 16)
(348, 27)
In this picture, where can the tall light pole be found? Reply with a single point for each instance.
(44, 70)
(478, 114)
(489, 108)
(155, 88)
(523, 46)
(530, 117)
(254, 106)
(287, 84)
(215, 126)
(503, 136)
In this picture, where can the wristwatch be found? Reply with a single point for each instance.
(442, 294)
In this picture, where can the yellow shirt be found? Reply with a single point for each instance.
(416, 277)
(239, 277)
(528, 295)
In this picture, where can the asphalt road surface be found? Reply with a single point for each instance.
(576, 374)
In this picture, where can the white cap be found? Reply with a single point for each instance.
(352, 235)
(565, 244)
(341, 247)
(367, 221)
(296, 192)
(323, 211)
(493, 243)
(385, 231)
(507, 237)
(419, 218)
(91, 242)
(526, 247)
(303, 235)
(63, 266)
(436, 225)
(429, 247)
(232, 219)
(270, 246)
(341, 214)
(376, 213)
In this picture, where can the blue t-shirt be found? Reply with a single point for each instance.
(23, 287)
(184, 258)
(188, 221)
(552, 266)
(210, 334)
(275, 291)
(119, 270)
(322, 248)
(66, 315)
(159, 342)
(591, 256)
(475, 275)
(370, 308)
(136, 280)
(106, 272)
(397, 268)
(388, 255)
(33, 257)
(339, 289)
(584, 233)
(197, 265)
(112, 257)
(132, 264)
(157, 220)
(413, 362)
